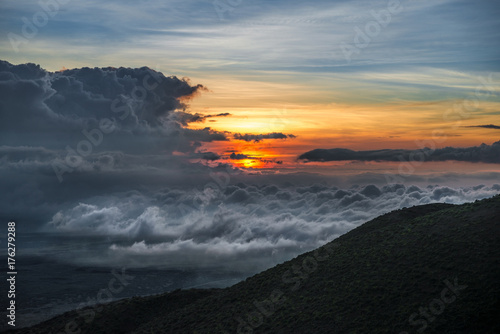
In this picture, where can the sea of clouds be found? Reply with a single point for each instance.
(242, 227)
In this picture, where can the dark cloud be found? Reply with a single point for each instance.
(489, 126)
(481, 153)
(139, 106)
(90, 131)
(74, 115)
(371, 191)
(24, 153)
(210, 156)
(257, 138)
(225, 114)
(186, 118)
(240, 156)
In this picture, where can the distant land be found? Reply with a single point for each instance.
(426, 269)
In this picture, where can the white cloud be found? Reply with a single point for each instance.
(261, 228)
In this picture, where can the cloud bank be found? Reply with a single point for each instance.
(84, 132)
(243, 227)
(482, 153)
(138, 109)
(489, 126)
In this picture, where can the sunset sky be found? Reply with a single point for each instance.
(218, 138)
(360, 75)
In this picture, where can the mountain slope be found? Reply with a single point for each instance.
(432, 268)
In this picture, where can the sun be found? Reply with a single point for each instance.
(251, 163)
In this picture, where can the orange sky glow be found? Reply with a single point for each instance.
(259, 108)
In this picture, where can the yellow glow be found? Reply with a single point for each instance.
(249, 163)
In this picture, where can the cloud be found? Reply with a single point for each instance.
(210, 156)
(91, 120)
(24, 153)
(257, 138)
(483, 153)
(242, 227)
(321, 26)
(145, 109)
(55, 149)
(225, 114)
(489, 126)
(186, 118)
(240, 156)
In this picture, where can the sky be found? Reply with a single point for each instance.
(241, 132)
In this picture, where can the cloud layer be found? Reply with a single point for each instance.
(482, 153)
(243, 227)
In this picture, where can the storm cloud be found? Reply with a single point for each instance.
(70, 134)
(482, 153)
(82, 120)
(135, 109)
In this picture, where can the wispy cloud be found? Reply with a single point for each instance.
(259, 137)
(302, 37)
(489, 126)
